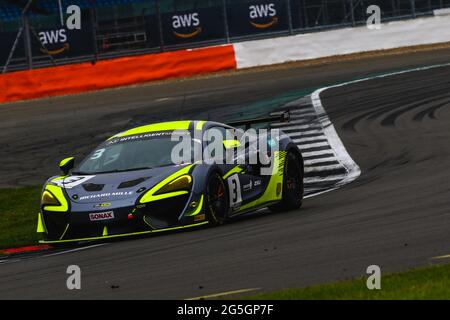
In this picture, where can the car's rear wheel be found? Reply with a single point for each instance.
(293, 188)
(217, 201)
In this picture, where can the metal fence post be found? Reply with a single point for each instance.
(225, 19)
(160, 24)
(289, 12)
(413, 8)
(352, 13)
(27, 42)
(94, 24)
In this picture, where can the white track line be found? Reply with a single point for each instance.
(297, 127)
(318, 161)
(317, 153)
(329, 130)
(318, 132)
(324, 179)
(309, 139)
(74, 250)
(323, 168)
(313, 145)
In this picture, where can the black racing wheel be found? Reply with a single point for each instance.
(217, 201)
(292, 197)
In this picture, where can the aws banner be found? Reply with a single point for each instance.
(193, 26)
(62, 41)
(256, 17)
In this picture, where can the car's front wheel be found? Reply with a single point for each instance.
(217, 201)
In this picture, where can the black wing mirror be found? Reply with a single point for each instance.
(66, 165)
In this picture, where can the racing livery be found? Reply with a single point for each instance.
(129, 186)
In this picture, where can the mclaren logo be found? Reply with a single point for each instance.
(54, 39)
(266, 12)
(186, 26)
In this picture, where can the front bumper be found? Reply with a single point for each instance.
(153, 217)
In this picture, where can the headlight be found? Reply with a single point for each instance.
(48, 199)
(179, 184)
(53, 199)
(177, 187)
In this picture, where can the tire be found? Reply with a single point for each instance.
(217, 201)
(293, 187)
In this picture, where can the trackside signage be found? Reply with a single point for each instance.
(61, 41)
(193, 26)
(257, 17)
(52, 41)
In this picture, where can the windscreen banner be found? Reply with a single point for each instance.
(257, 17)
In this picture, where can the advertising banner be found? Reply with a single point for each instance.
(63, 41)
(257, 17)
(197, 25)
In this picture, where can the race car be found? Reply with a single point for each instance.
(130, 185)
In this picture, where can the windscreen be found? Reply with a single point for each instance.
(129, 153)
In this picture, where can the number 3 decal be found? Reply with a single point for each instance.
(235, 190)
(97, 154)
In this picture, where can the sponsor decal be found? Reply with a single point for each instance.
(187, 21)
(55, 52)
(102, 205)
(248, 186)
(54, 38)
(188, 35)
(71, 182)
(106, 195)
(143, 136)
(258, 183)
(266, 12)
(101, 216)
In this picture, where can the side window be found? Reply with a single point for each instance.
(213, 142)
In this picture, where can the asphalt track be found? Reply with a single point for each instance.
(396, 215)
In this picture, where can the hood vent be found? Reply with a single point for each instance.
(129, 184)
(92, 187)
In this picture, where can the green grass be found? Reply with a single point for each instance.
(18, 216)
(431, 283)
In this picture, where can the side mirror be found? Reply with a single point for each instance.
(66, 165)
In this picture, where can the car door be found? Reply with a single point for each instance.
(245, 184)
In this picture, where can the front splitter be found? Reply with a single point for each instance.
(124, 235)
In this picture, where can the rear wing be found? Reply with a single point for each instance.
(283, 117)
